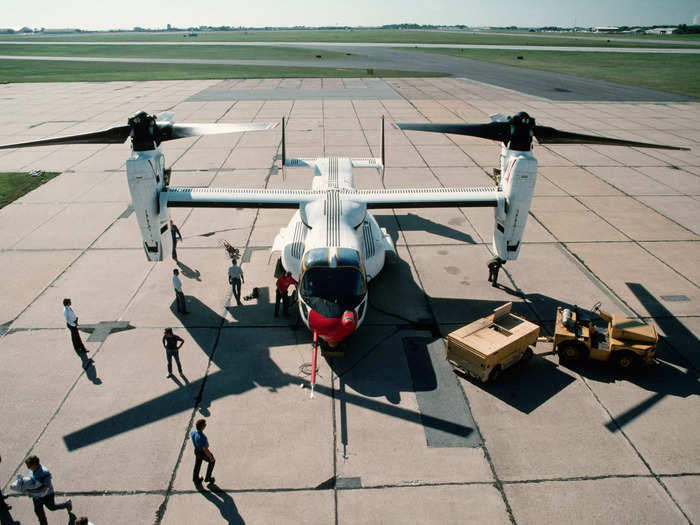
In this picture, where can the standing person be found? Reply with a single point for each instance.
(172, 349)
(43, 496)
(235, 278)
(201, 453)
(72, 324)
(494, 266)
(179, 296)
(283, 284)
(175, 232)
(4, 507)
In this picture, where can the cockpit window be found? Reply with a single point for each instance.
(332, 283)
(332, 280)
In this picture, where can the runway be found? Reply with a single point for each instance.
(548, 85)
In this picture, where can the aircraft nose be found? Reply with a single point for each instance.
(333, 330)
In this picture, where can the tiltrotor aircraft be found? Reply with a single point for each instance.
(333, 246)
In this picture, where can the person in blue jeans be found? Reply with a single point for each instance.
(201, 453)
(235, 278)
(172, 344)
(43, 496)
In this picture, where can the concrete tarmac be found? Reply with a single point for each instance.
(392, 436)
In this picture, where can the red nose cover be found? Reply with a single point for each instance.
(333, 330)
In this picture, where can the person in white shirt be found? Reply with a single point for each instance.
(235, 278)
(72, 324)
(179, 296)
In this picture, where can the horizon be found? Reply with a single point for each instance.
(129, 14)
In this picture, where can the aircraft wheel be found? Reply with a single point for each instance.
(495, 373)
(528, 354)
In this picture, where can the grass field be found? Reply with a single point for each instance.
(174, 51)
(365, 35)
(60, 71)
(14, 185)
(673, 73)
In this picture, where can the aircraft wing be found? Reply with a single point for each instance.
(183, 197)
(428, 197)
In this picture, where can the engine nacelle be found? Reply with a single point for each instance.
(144, 172)
(518, 177)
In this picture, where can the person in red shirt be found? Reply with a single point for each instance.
(283, 284)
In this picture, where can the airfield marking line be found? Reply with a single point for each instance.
(281, 490)
(497, 481)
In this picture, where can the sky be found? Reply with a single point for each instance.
(126, 14)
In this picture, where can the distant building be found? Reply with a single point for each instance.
(61, 30)
(661, 31)
(605, 29)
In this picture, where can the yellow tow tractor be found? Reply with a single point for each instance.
(628, 343)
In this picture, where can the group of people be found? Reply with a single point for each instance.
(43, 496)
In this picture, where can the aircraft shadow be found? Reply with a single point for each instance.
(413, 222)
(240, 369)
(662, 378)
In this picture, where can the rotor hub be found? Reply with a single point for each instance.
(522, 129)
(145, 134)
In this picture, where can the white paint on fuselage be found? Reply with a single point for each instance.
(333, 221)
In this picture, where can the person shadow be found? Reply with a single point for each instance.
(88, 365)
(227, 507)
(178, 382)
(189, 272)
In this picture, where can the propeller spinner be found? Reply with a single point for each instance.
(146, 132)
(517, 132)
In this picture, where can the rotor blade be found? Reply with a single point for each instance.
(109, 136)
(493, 130)
(179, 131)
(548, 135)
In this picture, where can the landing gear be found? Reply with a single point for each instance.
(314, 358)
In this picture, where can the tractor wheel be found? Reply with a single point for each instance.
(495, 374)
(626, 361)
(570, 352)
(527, 355)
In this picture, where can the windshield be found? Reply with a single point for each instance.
(338, 288)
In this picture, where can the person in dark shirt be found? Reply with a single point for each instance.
(494, 266)
(283, 284)
(175, 232)
(172, 344)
